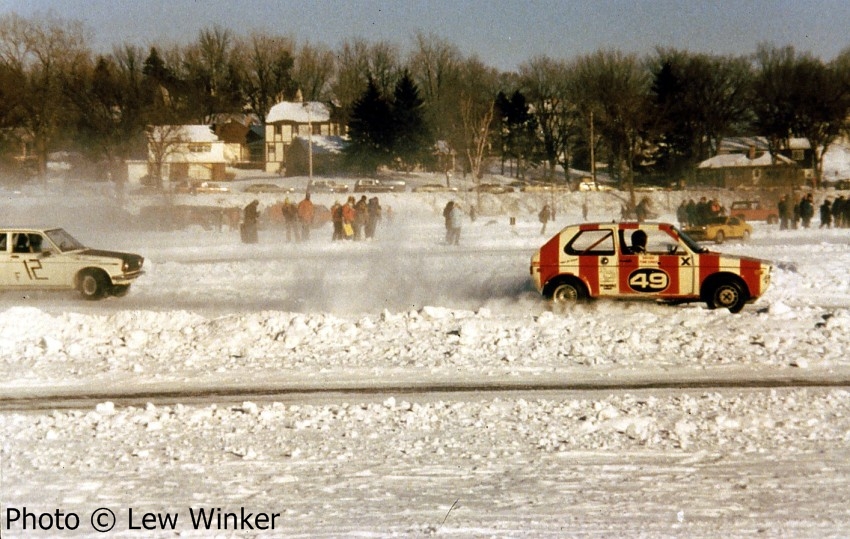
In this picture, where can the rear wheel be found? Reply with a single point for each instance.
(92, 284)
(720, 237)
(727, 295)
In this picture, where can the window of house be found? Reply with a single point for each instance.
(200, 147)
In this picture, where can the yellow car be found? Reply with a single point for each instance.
(719, 229)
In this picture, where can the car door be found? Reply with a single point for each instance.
(665, 270)
(33, 262)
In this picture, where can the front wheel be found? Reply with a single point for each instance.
(567, 292)
(746, 235)
(727, 295)
(92, 285)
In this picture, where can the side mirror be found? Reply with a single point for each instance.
(45, 254)
(672, 248)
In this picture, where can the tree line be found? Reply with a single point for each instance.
(655, 116)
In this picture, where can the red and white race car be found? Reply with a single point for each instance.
(595, 260)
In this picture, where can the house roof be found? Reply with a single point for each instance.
(186, 133)
(297, 112)
(762, 159)
(743, 144)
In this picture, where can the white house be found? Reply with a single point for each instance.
(186, 152)
(291, 119)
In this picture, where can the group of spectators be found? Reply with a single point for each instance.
(794, 213)
(691, 213)
(836, 213)
(355, 220)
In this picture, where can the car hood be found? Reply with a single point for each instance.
(134, 261)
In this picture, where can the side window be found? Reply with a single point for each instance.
(658, 242)
(21, 243)
(3, 242)
(591, 242)
(35, 243)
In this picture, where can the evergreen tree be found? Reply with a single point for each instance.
(370, 129)
(411, 137)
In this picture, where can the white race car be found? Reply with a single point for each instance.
(51, 259)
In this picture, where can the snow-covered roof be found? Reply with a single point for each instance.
(743, 144)
(187, 133)
(763, 159)
(297, 112)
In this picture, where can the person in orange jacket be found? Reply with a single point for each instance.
(306, 212)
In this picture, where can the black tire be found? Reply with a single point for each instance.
(720, 237)
(746, 236)
(120, 290)
(92, 284)
(566, 292)
(727, 294)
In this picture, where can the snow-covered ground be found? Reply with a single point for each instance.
(458, 403)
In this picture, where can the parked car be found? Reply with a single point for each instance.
(378, 186)
(606, 260)
(194, 188)
(327, 186)
(539, 187)
(434, 188)
(493, 188)
(268, 188)
(51, 259)
(753, 210)
(719, 229)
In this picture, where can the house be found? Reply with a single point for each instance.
(242, 135)
(797, 149)
(755, 169)
(290, 120)
(186, 152)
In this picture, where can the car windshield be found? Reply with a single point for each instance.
(64, 241)
(689, 241)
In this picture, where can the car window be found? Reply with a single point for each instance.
(734, 221)
(20, 243)
(3, 243)
(591, 242)
(658, 242)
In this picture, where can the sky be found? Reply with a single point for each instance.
(502, 33)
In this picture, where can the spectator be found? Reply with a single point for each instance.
(250, 215)
(306, 212)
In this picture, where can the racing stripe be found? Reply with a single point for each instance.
(588, 270)
(670, 265)
(750, 274)
(708, 264)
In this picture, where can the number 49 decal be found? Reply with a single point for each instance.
(648, 280)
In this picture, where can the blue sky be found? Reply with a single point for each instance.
(503, 33)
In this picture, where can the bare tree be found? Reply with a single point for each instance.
(267, 61)
(164, 141)
(614, 88)
(477, 121)
(358, 62)
(313, 72)
(546, 82)
(435, 67)
(41, 54)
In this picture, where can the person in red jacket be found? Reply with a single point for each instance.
(306, 212)
(348, 216)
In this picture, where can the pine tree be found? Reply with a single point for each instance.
(371, 132)
(412, 139)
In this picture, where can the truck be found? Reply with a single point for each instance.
(754, 210)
